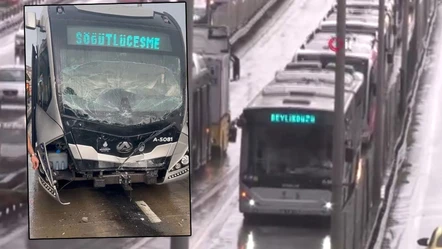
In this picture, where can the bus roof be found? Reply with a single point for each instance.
(355, 26)
(366, 18)
(317, 77)
(298, 96)
(356, 49)
(355, 37)
(369, 3)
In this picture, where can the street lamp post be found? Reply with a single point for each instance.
(338, 133)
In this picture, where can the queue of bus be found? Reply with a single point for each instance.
(290, 172)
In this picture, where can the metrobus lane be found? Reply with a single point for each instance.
(218, 223)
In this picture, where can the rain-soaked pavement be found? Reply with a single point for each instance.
(109, 212)
(417, 205)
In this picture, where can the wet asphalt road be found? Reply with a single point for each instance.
(417, 206)
(109, 211)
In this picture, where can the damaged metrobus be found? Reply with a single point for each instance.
(109, 96)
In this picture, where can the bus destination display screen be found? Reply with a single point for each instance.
(292, 118)
(288, 117)
(118, 38)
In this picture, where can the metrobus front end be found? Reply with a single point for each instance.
(109, 97)
(285, 167)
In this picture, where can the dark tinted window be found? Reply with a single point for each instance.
(12, 75)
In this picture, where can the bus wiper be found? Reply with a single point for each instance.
(171, 114)
(77, 113)
(142, 144)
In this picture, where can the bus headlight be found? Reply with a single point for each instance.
(252, 202)
(185, 160)
(176, 167)
(328, 205)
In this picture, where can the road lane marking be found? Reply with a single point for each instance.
(148, 212)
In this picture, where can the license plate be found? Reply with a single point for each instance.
(140, 164)
(291, 211)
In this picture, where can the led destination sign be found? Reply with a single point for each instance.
(293, 118)
(120, 38)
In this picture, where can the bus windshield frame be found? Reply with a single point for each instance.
(149, 85)
(286, 155)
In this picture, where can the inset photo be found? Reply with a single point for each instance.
(107, 119)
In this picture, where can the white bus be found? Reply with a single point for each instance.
(109, 96)
(286, 147)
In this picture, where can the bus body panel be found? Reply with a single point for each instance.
(286, 162)
(285, 201)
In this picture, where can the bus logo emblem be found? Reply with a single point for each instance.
(124, 147)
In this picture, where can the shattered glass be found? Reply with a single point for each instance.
(120, 88)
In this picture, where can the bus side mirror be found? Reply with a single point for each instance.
(423, 242)
(349, 155)
(389, 58)
(232, 133)
(31, 20)
(240, 122)
(236, 67)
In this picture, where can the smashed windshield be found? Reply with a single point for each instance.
(298, 150)
(120, 88)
